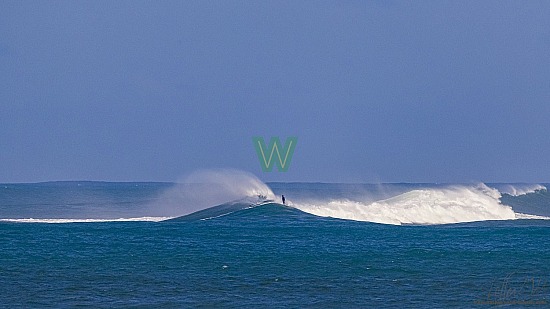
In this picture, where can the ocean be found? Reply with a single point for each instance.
(232, 243)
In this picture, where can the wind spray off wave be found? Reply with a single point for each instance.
(207, 188)
(519, 189)
(452, 204)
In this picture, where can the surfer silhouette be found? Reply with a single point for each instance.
(283, 198)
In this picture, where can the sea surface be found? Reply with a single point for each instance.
(179, 245)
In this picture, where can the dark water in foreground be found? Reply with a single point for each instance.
(274, 256)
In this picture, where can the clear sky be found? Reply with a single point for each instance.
(375, 91)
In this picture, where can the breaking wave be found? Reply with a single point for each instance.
(519, 189)
(451, 204)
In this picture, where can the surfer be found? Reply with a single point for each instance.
(283, 198)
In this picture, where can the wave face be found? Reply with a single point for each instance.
(222, 210)
(452, 204)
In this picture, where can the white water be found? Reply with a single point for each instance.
(31, 220)
(452, 204)
(527, 216)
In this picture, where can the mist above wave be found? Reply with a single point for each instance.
(207, 188)
(518, 189)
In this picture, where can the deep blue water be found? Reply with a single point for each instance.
(267, 256)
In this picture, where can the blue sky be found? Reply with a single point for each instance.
(375, 91)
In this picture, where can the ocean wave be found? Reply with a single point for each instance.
(519, 189)
(205, 188)
(32, 220)
(453, 204)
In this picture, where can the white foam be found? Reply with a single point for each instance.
(532, 217)
(519, 189)
(452, 204)
(32, 220)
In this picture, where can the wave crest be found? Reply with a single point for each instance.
(423, 206)
(206, 188)
(519, 189)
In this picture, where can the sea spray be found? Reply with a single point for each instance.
(206, 188)
(518, 189)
